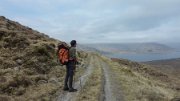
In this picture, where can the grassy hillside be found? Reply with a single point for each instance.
(169, 66)
(131, 81)
(141, 82)
(28, 65)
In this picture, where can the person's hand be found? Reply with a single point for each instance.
(78, 63)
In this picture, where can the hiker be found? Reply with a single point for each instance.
(70, 68)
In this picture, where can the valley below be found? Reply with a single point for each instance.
(139, 52)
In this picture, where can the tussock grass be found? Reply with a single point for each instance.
(29, 70)
(139, 87)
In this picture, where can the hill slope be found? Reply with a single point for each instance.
(170, 66)
(141, 82)
(28, 65)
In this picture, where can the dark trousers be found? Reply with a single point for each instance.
(69, 75)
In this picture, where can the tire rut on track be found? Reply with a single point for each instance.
(107, 91)
(110, 91)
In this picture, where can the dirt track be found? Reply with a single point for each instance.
(111, 91)
(108, 93)
(67, 96)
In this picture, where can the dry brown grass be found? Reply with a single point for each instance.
(137, 86)
(28, 64)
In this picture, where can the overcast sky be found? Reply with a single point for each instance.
(98, 21)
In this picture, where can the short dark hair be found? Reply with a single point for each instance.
(73, 42)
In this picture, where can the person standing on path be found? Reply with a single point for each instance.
(70, 68)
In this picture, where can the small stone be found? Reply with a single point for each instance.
(19, 61)
(42, 82)
(16, 68)
(53, 80)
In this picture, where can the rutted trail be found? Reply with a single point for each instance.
(107, 92)
(111, 90)
(69, 96)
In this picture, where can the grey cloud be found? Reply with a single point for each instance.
(106, 20)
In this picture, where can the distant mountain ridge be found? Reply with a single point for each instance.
(130, 47)
(86, 48)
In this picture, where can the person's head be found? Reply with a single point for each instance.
(73, 43)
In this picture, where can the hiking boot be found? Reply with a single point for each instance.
(72, 90)
(65, 88)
